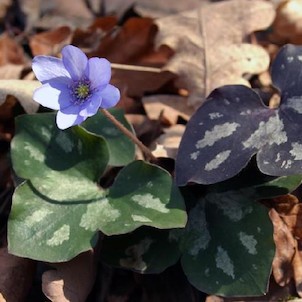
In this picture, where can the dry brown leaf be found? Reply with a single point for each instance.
(16, 276)
(11, 71)
(154, 8)
(50, 42)
(4, 5)
(89, 38)
(22, 90)
(167, 107)
(64, 13)
(209, 47)
(285, 250)
(137, 39)
(287, 27)
(10, 51)
(297, 268)
(167, 144)
(72, 280)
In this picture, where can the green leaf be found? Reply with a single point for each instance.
(121, 148)
(146, 250)
(228, 243)
(43, 229)
(62, 165)
(145, 194)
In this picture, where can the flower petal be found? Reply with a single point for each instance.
(71, 109)
(48, 68)
(65, 121)
(52, 97)
(110, 96)
(92, 106)
(98, 71)
(75, 61)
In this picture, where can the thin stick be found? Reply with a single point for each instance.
(130, 135)
(135, 68)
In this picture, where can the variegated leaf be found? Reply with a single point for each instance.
(234, 124)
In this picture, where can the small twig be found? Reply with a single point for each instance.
(135, 68)
(130, 135)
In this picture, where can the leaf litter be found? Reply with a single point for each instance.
(198, 50)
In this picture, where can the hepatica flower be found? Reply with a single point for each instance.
(74, 85)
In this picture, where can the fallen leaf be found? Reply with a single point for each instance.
(209, 44)
(167, 107)
(50, 42)
(4, 5)
(167, 144)
(72, 280)
(10, 51)
(64, 13)
(137, 83)
(22, 90)
(297, 268)
(285, 250)
(11, 71)
(287, 27)
(16, 276)
(89, 38)
(137, 39)
(159, 8)
(149, 8)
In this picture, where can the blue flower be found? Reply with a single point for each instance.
(74, 85)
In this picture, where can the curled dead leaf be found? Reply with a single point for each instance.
(297, 268)
(285, 250)
(22, 90)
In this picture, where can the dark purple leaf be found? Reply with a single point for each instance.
(234, 124)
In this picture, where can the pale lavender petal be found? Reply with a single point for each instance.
(92, 106)
(110, 96)
(48, 68)
(65, 121)
(51, 97)
(98, 71)
(75, 61)
(71, 109)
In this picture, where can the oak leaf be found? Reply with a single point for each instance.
(210, 44)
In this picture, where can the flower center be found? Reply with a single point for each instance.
(80, 91)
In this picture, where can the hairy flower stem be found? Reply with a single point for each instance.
(130, 135)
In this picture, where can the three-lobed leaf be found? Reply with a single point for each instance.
(60, 208)
(228, 243)
(234, 124)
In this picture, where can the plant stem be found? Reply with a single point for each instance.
(130, 135)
